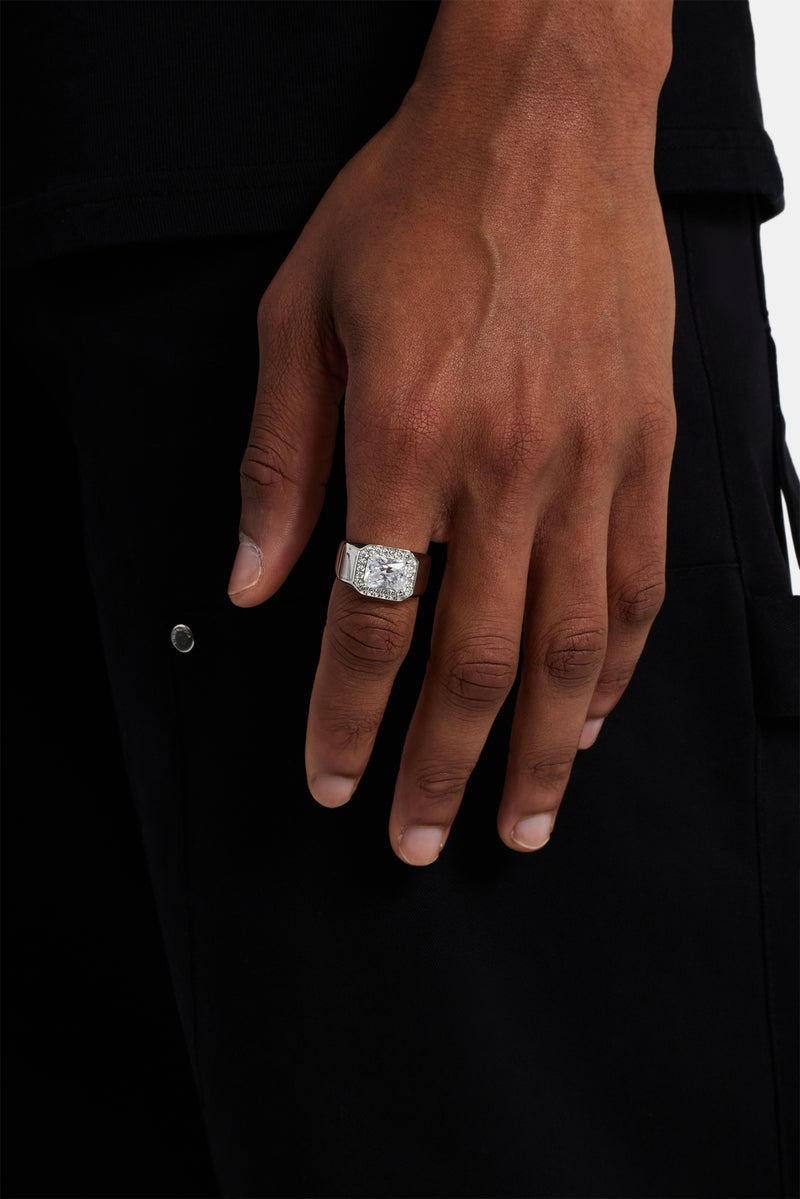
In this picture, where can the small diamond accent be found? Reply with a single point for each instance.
(384, 572)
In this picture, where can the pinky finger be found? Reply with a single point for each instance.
(636, 590)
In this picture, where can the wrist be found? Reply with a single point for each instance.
(578, 71)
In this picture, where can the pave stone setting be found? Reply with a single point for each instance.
(384, 572)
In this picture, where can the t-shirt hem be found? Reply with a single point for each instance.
(270, 199)
(721, 161)
(143, 208)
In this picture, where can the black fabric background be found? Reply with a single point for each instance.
(99, 1098)
(643, 1043)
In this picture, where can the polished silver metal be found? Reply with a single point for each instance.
(382, 571)
(182, 638)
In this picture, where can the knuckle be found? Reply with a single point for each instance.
(639, 600)
(655, 430)
(272, 449)
(365, 640)
(551, 772)
(289, 335)
(347, 731)
(516, 446)
(574, 653)
(403, 433)
(271, 431)
(265, 464)
(612, 683)
(479, 673)
(593, 433)
(414, 425)
(442, 784)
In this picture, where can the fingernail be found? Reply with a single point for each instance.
(332, 790)
(420, 845)
(534, 831)
(246, 566)
(590, 731)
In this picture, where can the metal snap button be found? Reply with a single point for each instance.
(182, 638)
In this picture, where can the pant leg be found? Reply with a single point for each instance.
(100, 1099)
(604, 1018)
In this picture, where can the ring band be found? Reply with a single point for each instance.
(382, 571)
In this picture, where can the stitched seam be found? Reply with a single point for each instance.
(191, 945)
(672, 137)
(52, 199)
(195, 169)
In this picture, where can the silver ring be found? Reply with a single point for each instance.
(382, 571)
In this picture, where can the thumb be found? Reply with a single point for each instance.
(287, 462)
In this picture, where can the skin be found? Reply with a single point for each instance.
(488, 284)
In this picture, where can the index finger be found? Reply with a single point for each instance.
(363, 645)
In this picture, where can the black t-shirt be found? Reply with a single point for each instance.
(130, 121)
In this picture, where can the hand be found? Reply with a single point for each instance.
(490, 287)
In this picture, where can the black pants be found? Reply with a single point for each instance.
(610, 1017)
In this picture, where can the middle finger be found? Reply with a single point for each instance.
(473, 663)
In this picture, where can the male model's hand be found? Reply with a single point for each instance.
(488, 285)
